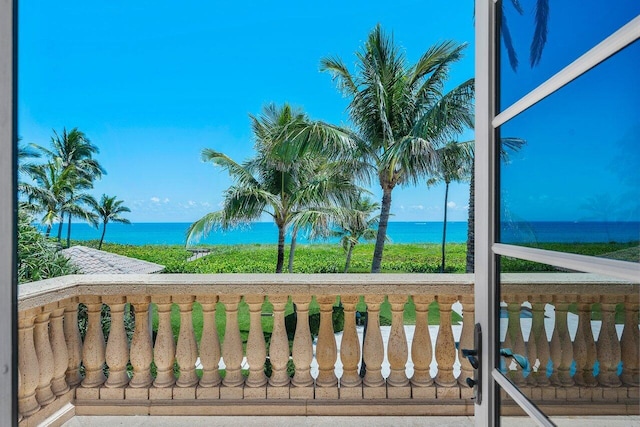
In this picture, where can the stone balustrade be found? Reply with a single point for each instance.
(167, 371)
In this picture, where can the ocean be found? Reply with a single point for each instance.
(398, 232)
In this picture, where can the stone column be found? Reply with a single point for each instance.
(93, 356)
(165, 347)
(421, 348)
(27, 364)
(397, 350)
(514, 331)
(232, 346)
(445, 344)
(466, 337)
(566, 347)
(141, 349)
(302, 348)
(538, 341)
(326, 349)
(187, 348)
(279, 345)
(74, 342)
(256, 350)
(373, 347)
(608, 345)
(630, 342)
(44, 394)
(117, 353)
(209, 343)
(584, 347)
(350, 347)
(59, 384)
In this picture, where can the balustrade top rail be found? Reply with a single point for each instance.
(37, 294)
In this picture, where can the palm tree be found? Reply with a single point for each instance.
(109, 209)
(74, 150)
(507, 144)
(276, 182)
(453, 166)
(356, 224)
(401, 112)
(74, 206)
(53, 183)
(539, 39)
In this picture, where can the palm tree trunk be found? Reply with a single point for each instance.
(444, 225)
(104, 230)
(292, 250)
(69, 233)
(48, 232)
(60, 224)
(470, 224)
(280, 263)
(349, 253)
(382, 230)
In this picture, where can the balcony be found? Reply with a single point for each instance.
(565, 322)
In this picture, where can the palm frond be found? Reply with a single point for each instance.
(540, 33)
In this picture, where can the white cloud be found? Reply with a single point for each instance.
(155, 199)
(191, 203)
(166, 200)
(419, 207)
(451, 205)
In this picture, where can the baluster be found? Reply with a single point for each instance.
(232, 346)
(466, 337)
(555, 348)
(45, 357)
(538, 336)
(566, 347)
(256, 350)
(187, 348)
(74, 342)
(93, 356)
(27, 364)
(302, 344)
(117, 352)
(165, 347)
(584, 347)
(514, 332)
(608, 346)
(141, 353)
(373, 347)
(445, 345)
(350, 347)
(421, 349)
(279, 345)
(326, 349)
(397, 350)
(20, 417)
(59, 384)
(630, 342)
(209, 343)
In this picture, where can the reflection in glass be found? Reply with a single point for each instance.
(575, 334)
(571, 30)
(574, 186)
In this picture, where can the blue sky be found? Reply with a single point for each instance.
(153, 83)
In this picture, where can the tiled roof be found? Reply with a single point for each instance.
(93, 261)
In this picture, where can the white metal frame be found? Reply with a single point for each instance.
(8, 262)
(485, 274)
(487, 249)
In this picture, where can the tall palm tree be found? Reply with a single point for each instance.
(75, 206)
(276, 182)
(507, 145)
(539, 39)
(401, 112)
(52, 185)
(356, 224)
(75, 151)
(453, 166)
(108, 210)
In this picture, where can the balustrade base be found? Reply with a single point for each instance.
(353, 393)
(60, 409)
(303, 392)
(401, 392)
(327, 393)
(255, 392)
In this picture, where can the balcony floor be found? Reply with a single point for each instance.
(321, 421)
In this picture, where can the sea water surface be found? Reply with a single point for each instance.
(398, 232)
